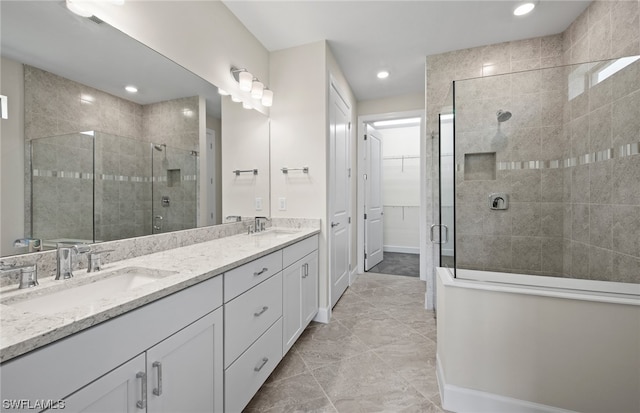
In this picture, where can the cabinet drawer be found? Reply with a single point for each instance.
(249, 315)
(298, 250)
(244, 377)
(240, 279)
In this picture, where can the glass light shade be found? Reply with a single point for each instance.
(79, 10)
(523, 9)
(267, 98)
(257, 89)
(246, 81)
(247, 105)
(236, 99)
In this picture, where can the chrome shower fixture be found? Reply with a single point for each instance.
(503, 115)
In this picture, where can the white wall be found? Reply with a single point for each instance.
(401, 188)
(403, 103)
(568, 353)
(299, 137)
(12, 157)
(245, 145)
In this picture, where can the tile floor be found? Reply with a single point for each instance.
(398, 263)
(376, 355)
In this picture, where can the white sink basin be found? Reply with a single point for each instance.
(276, 233)
(85, 292)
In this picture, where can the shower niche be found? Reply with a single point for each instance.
(480, 166)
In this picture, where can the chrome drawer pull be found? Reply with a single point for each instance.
(158, 391)
(261, 365)
(259, 313)
(265, 269)
(142, 404)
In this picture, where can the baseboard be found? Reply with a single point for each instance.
(405, 250)
(353, 276)
(324, 313)
(463, 400)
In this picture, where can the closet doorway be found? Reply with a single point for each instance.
(400, 188)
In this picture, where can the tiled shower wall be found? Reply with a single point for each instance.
(58, 106)
(558, 223)
(602, 215)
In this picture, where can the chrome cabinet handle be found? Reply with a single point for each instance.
(265, 269)
(142, 404)
(259, 313)
(158, 391)
(261, 365)
(334, 224)
(305, 268)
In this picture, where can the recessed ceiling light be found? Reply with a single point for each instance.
(383, 74)
(523, 9)
(131, 89)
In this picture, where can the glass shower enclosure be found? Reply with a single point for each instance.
(542, 169)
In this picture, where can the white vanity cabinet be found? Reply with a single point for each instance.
(97, 367)
(180, 373)
(300, 289)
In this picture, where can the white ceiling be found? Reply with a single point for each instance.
(367, 36)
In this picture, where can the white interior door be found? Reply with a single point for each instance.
(373, 222)
(339, 126)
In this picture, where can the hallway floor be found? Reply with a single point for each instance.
(398, 263)
(376, 355)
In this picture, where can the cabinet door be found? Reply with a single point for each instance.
(185, 371)
(310, 288)
(291, 305)
(117, 391)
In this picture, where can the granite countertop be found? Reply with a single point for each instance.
(24, 331)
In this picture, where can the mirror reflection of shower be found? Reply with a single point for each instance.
(499, 140)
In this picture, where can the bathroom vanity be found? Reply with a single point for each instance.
(197, 328)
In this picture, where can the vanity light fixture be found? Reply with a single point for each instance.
(131, 89)
(267, 98)
(257, 88)
(247, 105)
(222, 92)
(524, 8)
(248, 83)
(235, 99)
(383, 74)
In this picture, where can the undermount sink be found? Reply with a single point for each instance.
(85, 291)
(276, 233)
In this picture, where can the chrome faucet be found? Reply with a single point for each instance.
(64, 261)
(95, 260)
(260, 223)
(28, 273)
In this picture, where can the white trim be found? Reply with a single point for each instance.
(461, 400)
(401, 249)
(567, 288)
(353, 276)
(323, 315)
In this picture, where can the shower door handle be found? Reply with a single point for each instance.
(446, 234)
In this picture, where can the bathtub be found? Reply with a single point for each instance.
(520, 343)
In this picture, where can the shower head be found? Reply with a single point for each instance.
(159, 147)
(503, 115)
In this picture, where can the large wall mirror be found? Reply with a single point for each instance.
(85, 160)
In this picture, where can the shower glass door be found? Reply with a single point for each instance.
(174, 188)
(446, 187)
